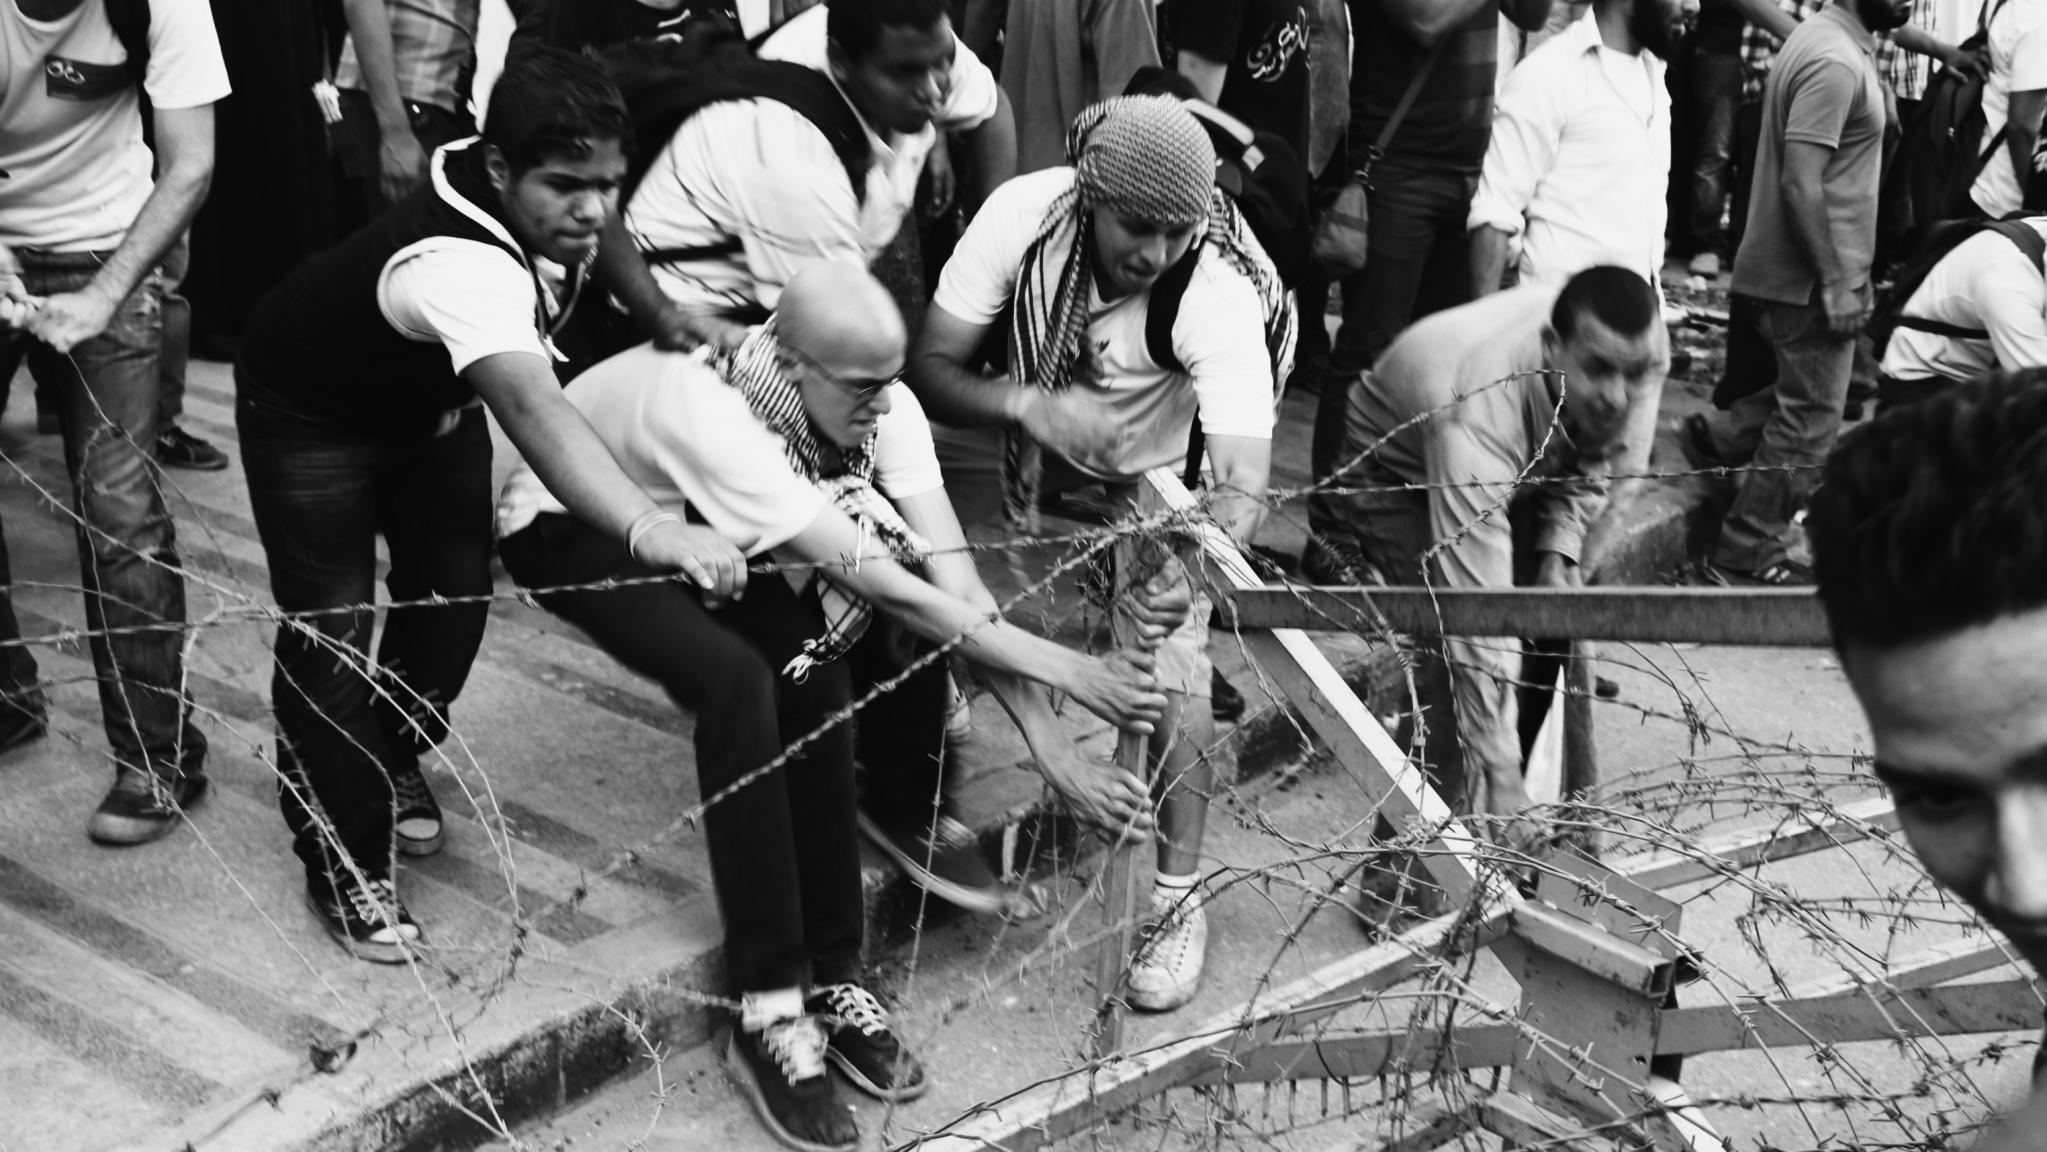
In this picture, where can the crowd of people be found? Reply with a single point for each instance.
(654, 255)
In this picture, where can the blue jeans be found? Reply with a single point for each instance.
(320, 500)
(1716, 93)
(1785, 430)
(106, 396)
(1420, 262)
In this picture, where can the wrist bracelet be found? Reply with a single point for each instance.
(645, 524)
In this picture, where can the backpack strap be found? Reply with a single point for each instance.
(2028, 240)
(1162, 310)
(130, 21)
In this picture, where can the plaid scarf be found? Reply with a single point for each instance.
(755, 368)
(1049, 318)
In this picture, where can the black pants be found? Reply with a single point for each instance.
(785, 856)
(321, 498)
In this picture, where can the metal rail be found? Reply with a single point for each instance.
(1768, 617)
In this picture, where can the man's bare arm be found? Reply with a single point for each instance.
(992, 145)
(1765, 14)
(2022, 130)
(1488, 259)
(184, 157)
(951, 392)
(401, 162)
(1845, 303)
(1206, 72)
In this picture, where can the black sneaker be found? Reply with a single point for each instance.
(781, 1069)
(177, 448)
(416, 815)
(142, 806)
(858, 1040)
(367, 919)
(1225, 703)
(942, 859)
(21, 722)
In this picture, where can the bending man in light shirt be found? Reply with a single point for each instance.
(1579, 161)
(748, 192)
(1483, 441)
(1982, 306)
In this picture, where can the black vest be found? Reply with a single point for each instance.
(319, 346)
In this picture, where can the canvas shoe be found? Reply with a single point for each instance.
(416, 815)
(781, 1068)
(1167, 969)
(365, 917)
(942, 858)
(859, 1041)
(142, 807)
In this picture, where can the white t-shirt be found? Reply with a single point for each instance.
(1987, 283)
(74, 172)
(758, 170)
(688, 439)
(1219, 335)
(2018, 63)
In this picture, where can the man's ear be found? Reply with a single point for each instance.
(837, 62)
(497, 168)
(1551, 345)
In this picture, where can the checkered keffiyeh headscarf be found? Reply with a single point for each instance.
(1141, 156)
(756, 369)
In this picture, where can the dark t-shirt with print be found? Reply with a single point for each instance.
(1265, 43)
(592, 25)
(1451, 121)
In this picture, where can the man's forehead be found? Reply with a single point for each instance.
(912, 43)
(1594, 338)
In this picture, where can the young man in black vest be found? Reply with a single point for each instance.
(358, 398)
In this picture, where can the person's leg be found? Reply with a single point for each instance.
(1813, 368)
(134, 584)
(312, 495)
(721, 666)
(1408, 207)
(22, 706)
(434, 509)
(1748, 136)
(1716, 91)
(175, 447)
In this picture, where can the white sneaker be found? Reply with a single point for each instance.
(959, 715)
(1167, 969)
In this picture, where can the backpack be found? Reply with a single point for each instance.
(1261, 174)
(1941, 239)
(1942, 149)
(667, 81)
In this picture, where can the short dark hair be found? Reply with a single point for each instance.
(1932, 518)
(855, 25)
(1614, 296)
(553, 104)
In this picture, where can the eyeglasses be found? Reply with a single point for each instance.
(862, 389)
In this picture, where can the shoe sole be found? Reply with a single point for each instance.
(858, 1080)
(955, 894)
(196, 466)
(1161, 1003)
(743, 1078)
(420, 846)
(361, 950)
(129, 831)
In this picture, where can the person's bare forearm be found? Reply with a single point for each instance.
(165, 216)
(954, 394)
(992, 144)
(1807, 211)
(1206, 73)
(369, 26)
(1488, 259)
(2022, 131)
(621, 271)
(1765, 14)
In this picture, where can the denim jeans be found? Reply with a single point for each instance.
(785, 849)
(1786, 431)
(176, 354)
(320, 499)
(1716, 93)
(1419, 263)
(106, 396)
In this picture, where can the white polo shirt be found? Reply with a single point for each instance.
(1986, 283)
(758, 170)
(1579, 159)
(1219, 334)
(690, 441)
(74, 172)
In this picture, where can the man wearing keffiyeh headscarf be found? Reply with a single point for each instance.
(1065, 268)
(803, 447)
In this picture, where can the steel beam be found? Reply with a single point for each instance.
(1796, 836)
(1767, 617)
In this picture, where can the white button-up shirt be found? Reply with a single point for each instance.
(1580, 159)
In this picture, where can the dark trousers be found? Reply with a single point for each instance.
(900, 735)
(1420, 263)
(1716, 94)
(321, 498)
(785, 852)
(105, 393)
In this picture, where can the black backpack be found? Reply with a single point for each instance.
(130, 21)
(1941, 239)
(1260, 172)
(1942, 149)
